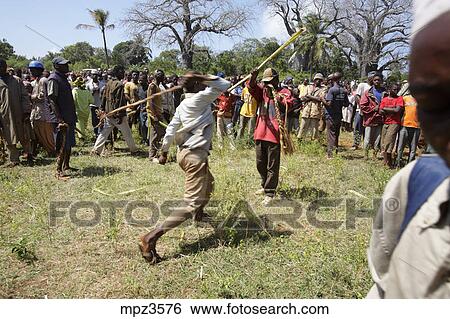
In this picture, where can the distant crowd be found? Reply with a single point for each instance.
(382, 116)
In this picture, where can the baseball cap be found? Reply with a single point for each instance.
(269, 74)
(60, 61)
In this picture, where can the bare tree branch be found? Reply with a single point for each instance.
(181, 22)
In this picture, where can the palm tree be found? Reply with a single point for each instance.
(100, 18)
(316, 43)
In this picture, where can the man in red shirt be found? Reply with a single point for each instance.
(372, 117)
(225, 108)
(272, 102)
(391, 108)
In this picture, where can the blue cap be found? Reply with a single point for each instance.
(60, 61)
(221, 74)
(36, 65)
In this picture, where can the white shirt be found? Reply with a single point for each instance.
(195, 118)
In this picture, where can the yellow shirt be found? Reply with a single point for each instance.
(302, 90)
(131, 89)
(250, 104)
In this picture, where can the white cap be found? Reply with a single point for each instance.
(426, 11)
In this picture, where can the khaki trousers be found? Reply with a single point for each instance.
(45, 134)
(388, 137)
(198, 186)
(309, 125)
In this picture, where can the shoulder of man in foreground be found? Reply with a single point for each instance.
(388, 223)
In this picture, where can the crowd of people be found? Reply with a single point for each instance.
(408, 254)
(383, 117)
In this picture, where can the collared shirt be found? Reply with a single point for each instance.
(302, 90)
(192, 124)
(415, 264)
(313, 109)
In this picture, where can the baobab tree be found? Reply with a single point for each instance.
(182, 22)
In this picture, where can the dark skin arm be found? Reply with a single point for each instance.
(186, 81)
(313, 98)
(254, 76)
(325, 102)
(391, 109)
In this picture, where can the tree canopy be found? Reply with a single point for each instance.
(6, 50)
(132, 52)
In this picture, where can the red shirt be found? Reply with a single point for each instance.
(226, 104)
(267, 128)
(392, 102)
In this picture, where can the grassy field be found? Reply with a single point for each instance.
(276, 260)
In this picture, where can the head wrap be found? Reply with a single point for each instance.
(426, 11)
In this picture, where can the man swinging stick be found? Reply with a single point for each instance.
(192, 129)
(196, 120)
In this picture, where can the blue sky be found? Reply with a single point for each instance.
(57, 21)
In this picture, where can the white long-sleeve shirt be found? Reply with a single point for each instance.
(194, 116)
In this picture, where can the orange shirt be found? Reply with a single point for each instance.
(410, 118)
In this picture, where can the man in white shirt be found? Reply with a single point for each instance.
(358, 130)
(192, 129)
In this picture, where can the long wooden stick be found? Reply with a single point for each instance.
(271, 57)
(133, 105)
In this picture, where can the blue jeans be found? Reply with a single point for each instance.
(237, 111)
(409, 136)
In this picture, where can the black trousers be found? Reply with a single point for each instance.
(333, 130)
(268, 165)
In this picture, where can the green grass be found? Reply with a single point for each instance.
(67, 261)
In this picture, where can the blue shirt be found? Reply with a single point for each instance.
(378, 94)
(338, 97)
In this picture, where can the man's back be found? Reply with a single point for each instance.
(195, 117)
(338, 97)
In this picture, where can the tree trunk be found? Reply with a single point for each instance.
(306, 60)
(106, 49)
(187, 59)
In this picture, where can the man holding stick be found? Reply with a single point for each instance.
(155, 114)
(272, 101)
(113, 98)
(62, 104)
(192, 129)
